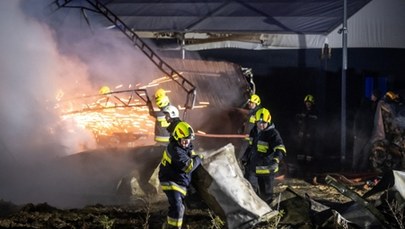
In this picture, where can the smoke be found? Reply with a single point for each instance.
(42, 56)
(32, 73)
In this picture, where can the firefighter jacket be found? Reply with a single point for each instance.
(176, 167)
(307, 122)
(161, 133)
(265, 148)
(250, 123)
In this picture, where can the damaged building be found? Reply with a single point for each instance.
(115, 161)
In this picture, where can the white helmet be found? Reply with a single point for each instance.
(172, 111)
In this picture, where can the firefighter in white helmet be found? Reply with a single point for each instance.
(262, 157)
(178, 162)
(172, 117)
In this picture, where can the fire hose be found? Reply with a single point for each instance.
(282, 165)
(221, 135)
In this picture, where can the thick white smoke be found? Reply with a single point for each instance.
(38, 60)
(32, 73)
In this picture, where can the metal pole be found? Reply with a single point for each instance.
(183, 43)
(343, 86)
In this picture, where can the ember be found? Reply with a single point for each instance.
(117, 118)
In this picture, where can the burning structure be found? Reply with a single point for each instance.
(221, 87)
(117, 118)
(121, 117)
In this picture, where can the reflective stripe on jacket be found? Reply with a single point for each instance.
(264, 147)
(161, 124)
(177, 164)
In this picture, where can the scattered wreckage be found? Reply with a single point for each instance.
(220, 185)
(335, 202)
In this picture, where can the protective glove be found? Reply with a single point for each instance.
(274, 166)
(201, 156)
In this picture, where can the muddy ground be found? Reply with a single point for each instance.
(141, 214)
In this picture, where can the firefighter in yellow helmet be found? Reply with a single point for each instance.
(391, 96)
(253, 104)
(266, 150)
(178, 162)
(160, 93)
(162, 135)
(104, 90)
(306, 137)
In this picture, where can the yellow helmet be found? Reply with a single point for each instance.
(309, 98)
(162, 101)
(255, 99)
(104, 90)
(183, 130)
(392, 95)
(263, 115)
(160, 93)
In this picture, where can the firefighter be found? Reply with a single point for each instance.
(253, 105)
(307, 126)
(387, 150)
(172, 117)
(178, 162)
(104, 90)
(160, 93)
(263, 156)
(161, 134)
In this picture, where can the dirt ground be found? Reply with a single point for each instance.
(141, 214)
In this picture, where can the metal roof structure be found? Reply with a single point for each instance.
(255, 24)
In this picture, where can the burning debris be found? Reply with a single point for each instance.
(332, 204)
(120, 117)
(114, 118)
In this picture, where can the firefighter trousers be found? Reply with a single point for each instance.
(263, 185)
(176, 209)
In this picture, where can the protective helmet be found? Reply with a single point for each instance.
(104, 90)
(162, 101)
(160, 93)
(183, 130)
(263, 115)
(172, 111)
(255, 99)
(392, 96)
(309, 98)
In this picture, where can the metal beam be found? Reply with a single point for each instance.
(343, 86)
